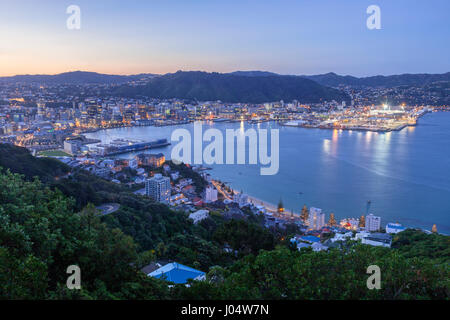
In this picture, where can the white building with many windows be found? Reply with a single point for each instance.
(210, 194)
(72, 146)
(158, 188)
(316, 219)
(373, 223)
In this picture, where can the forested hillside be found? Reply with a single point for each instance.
(48, 225)
(203, 86)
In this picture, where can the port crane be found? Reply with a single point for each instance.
(368, 206)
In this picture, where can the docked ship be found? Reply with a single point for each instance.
(294, 123)
(119, 146)
(221, 120)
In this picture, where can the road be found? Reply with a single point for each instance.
(219, 189)
(108, 208)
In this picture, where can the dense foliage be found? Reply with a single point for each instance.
(289, 274)
(415, 243)
(244, 237)
(47, 226)
(41, 236)
(204, 86)
(19, 160)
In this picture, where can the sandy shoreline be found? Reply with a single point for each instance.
(269, 206)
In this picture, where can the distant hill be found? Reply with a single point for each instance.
(332, 79)
(205, 86)
(254, 73)
(75, 77)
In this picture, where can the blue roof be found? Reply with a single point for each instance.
(395, 226)
(177, 273)
(310, 238)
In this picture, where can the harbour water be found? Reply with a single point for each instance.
(405, 174)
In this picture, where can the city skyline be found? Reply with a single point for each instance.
(239, 150)
(306, 38)
(230, 72)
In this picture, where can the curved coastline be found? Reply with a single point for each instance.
(401, 210)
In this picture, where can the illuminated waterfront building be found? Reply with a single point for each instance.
(158, 188)
(316, 219)
(152, 160)
(373, 223)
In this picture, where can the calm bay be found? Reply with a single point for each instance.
(405, 174)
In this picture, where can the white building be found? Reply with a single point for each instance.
(158, 188)
(210, 194)
(394, 228)
(72, 146)
(317, 246)
(361, 235)
(378, 239)
(373, 223)
(341, 236)
(316, 219)
(199, 215)
(241, 199)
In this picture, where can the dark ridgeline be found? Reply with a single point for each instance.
(238, 86)
(203, 86)
(327, 79)
(74, 77)
(333, 80)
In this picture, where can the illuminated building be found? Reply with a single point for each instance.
(153, 160)
(316, 219)
(158, 188)
(373, 223)
(210, 194)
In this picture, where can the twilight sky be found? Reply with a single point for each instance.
(284, 36)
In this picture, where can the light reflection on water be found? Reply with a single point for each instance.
(405, 174)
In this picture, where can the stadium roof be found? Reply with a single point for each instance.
(177, 273)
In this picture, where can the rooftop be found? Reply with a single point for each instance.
(379, 236)
(310, 238)
(395, 226)
(177, 273)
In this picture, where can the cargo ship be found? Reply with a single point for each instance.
(120, 146)
(221, 120)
